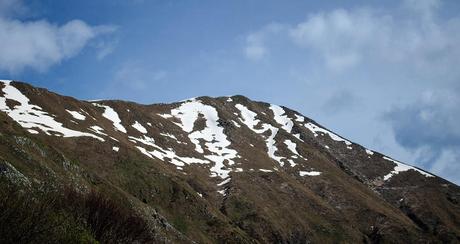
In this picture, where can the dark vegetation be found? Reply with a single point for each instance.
(67, 217)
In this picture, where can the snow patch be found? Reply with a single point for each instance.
(249, 119)
(33, 131)
(169, 135)
(162, 154)
(291, 162)
(98, 130)
(401, 167)
(316, 129)
(76, 114)
(224, 182)
(266, 170)
(32, 116)
(281, 118)
(236, 124)
(139, 127)
(111, 115)
(115, 149)
(213, 135)
(271, 148)
(291, 146)
(299, 118)
(309, 173)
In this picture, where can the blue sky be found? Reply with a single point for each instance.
(381, 73)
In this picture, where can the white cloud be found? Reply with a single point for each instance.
(255, 42)
(40, 44)
(255, 51)
(344, 39)
(339, 36)
(105, 48)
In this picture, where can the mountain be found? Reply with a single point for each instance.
(219, 170)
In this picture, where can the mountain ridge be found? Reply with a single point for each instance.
(264, 172)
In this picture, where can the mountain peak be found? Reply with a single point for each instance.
(245, 164)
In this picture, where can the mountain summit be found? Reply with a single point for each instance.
(221, 170)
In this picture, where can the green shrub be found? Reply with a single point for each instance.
(67, 217)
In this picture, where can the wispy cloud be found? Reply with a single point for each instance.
(340, 101)
(133, 80)
(105, 48)
(255, 46)
(10, 8)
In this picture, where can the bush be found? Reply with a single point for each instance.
(110, 222)
(67, 217)
(26, 218)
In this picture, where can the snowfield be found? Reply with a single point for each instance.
(33, 117)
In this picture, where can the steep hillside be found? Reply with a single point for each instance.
(226, 169)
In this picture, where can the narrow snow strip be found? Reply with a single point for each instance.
(236, 124)
(249, 119)
(144, 140)
(169, 135)
(401, 167)
(32, 116)
(111, 115)
(33, 131)
(165, 116)
(281, 118)
(271, 144)
(139, 127)
(316, 129)
(98, 130)
(266, 170)
(309, 173)
(76, 115)
(162, 154)
(224, 182)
